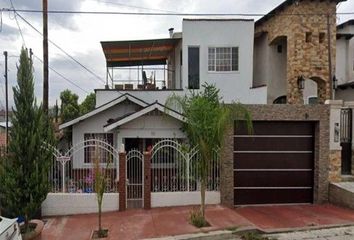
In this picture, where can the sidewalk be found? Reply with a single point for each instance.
(160, 222)
(140, 224)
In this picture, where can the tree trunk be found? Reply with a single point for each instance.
(99, 219)
(202, 195)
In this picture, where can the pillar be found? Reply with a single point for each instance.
(122, 180)
(147, 180)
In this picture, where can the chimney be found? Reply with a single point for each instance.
(170, 30)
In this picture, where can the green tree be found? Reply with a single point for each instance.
(24, 181)
(88, 104)
(70, 108)
(207, 120)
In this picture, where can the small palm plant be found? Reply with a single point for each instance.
(100, 177)
(207, 119)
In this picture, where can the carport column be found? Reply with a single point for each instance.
(122, 180)
(147, 180)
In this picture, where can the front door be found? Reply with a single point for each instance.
(135, 179)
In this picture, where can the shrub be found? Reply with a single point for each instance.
(196, 218)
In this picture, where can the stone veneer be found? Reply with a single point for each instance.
(309, 59)
(335, 166)
(316, 113)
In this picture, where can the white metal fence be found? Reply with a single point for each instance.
(79, 178)
(174, 168)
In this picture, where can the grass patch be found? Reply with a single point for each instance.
(102, 234)
(196, 218)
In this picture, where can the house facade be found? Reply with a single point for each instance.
(288, 56)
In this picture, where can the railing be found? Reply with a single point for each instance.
(138, 78)
(65, 176)
(175, 169)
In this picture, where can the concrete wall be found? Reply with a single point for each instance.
(345, 56)
(317, 113)
(234, 86)
(269, 66)
(171, 199)
(57, 204)
(151, 127)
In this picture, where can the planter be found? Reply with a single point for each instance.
(36, 229)
(94, 234)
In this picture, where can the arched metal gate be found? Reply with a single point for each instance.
(135, 179)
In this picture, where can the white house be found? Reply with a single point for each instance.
(345, 61)
(142, 74)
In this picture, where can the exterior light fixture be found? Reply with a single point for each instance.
(334, 82)
(301, 82)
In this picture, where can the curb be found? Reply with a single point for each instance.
(212, 235)
(303, 229)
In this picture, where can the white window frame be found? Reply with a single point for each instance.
(230, 47)
(104, 152)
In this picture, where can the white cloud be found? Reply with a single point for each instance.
(80, 35)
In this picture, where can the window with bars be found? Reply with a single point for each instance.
(91, 149)
(223, 59)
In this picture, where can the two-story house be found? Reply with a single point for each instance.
(142, 74)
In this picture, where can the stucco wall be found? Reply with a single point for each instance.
(182, 198)
(57, 204)
(234, 86)
(319, 114)
(345, 58)
(95, 124)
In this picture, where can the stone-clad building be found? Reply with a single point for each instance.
(291, 42)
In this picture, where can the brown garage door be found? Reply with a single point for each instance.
(274, 164)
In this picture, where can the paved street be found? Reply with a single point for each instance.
(345, 233)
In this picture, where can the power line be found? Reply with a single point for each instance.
(17, 23)
(132, 6)
(61, 75)
(172, 14)
(61, 49)
(52, 69)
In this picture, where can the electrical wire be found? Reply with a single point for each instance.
(61, 49)
(18, 25)
(61, 75)
(132, 6)
(52, 69)
(171, 14)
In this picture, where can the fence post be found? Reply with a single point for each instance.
(147, 180)
(122, 180)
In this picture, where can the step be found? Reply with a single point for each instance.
(347, 178)
(342, 194)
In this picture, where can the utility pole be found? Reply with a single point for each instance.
(45, 57)
(6, 103)
(31, 54)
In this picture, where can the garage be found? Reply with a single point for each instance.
(274, 164)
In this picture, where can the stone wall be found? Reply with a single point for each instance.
(307, 58)
(316, 113)
(335, 166)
